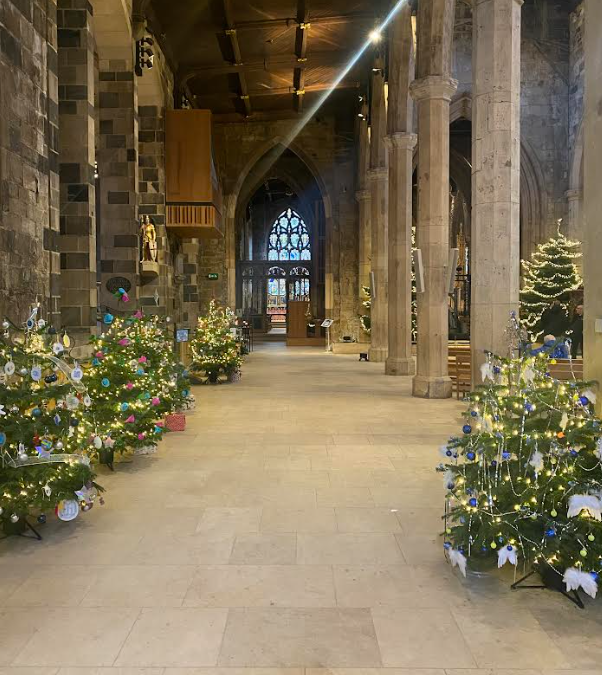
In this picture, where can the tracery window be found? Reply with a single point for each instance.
(289, 238)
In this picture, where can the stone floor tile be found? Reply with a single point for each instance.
(264, 549)
(277, 519)
(366, 520)
(341, 549)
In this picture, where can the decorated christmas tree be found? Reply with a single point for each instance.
(43, 452)
(550, 275)
(133, 383)
(524, 478)
(215, 349)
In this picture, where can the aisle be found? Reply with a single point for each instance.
(293, 525)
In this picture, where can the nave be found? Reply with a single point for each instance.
(294, 525)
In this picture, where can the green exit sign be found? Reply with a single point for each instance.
(213, 276)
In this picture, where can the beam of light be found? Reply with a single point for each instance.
(296, 130)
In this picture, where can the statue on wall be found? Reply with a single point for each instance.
(148, 240)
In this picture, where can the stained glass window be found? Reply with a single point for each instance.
(289, 238)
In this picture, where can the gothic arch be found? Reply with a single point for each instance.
(533, 200)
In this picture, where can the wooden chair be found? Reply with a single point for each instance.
(462, 374)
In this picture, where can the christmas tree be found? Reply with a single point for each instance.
(550, 275)
(524, 478)
(42, 449)
(215, 349)
(133, 383)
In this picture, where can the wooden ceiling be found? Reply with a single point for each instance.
(265, 58)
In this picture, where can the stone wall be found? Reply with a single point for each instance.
(29, 183)
(576, 76)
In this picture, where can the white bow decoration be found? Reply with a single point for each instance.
(448, 479)
(506, 554)
(598, 450)
(589, 503)
(536, 461)
(529, 375)
(487, 372)
(458, 559)
(576, 579)
(564, 420)
(590, 395)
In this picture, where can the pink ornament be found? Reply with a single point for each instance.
(125, 297)
(100, 355)
(141, 437)
(129, 386)
(142, 359)
(160, 424)
(138, 315)
(124, 342)
(155, 400)
(130, 420)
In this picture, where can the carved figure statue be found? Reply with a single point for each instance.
(148, 240)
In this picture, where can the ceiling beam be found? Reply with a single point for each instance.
(318, 21)
(231, 33)
(317, 60)
(282, 91)
(301, 38)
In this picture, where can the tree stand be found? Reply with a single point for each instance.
(107, 457)
(550, 581)
(212, 378)
(22, 528)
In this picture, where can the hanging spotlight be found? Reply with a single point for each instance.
(375, 36)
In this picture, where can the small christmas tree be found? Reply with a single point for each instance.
(550, 275)
(132, 383)
(524, 478)
(44, 465)
(215, 349)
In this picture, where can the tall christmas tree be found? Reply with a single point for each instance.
(367, 304)
(550, 275)
(215, 349)
(524, 478)
(43, 458)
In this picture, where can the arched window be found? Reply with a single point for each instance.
(289, 238)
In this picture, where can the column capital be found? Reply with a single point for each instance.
(363, 195)
(402, 140)
(574, 194)
(380, 173)
(433, 87)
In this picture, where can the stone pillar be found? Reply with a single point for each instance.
(362, 196)
(495, 240)
(378, 177)
(592, 202)
(400, 360)
(118, 170)
(433, 95)
(76, 168)
(401, 151)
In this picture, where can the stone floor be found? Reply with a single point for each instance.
(294, 525)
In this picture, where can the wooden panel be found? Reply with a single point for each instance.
(297, 319)
(194, 221)
(188, 159)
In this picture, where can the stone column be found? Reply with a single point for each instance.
(592, 202)
(363, 196)
(378, 177)
(401, 150)
(433, 94)
(76, 168)
(118, 170)
(495, 240)
(400, 360)
(575, 225)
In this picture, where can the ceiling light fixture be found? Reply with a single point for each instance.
(375, 36)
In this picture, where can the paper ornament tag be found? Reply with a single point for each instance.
(9, 368)
(67, 509)
(36, 373)
(58, 348)
(77, 374)
(87, 401)
(72, 402)
(66, 341)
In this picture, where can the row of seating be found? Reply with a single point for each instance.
(460, 368)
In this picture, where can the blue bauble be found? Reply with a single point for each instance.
(583, 400)
(57, 419)
(472, 502)
(450, 486)
(95, 362)
(493, 463)
(462, 520)
(447, 545)
(496, 370)
(74, 421)
(460, 550)
(448, 453)
(467, 428)
(49, 379)
(105, 382)
(2, 438)
(473, 413)
(470, 455)
(42, 518)
(36, 412)
(528, 407)
(550, 533)
(185, 392)
(509, 547)
(140, 371)
(484, 548)
(108, 318)
(501, 540)
(573, 453)
(124, 406)
(594, 575)
(121, 290)
(506, 455)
